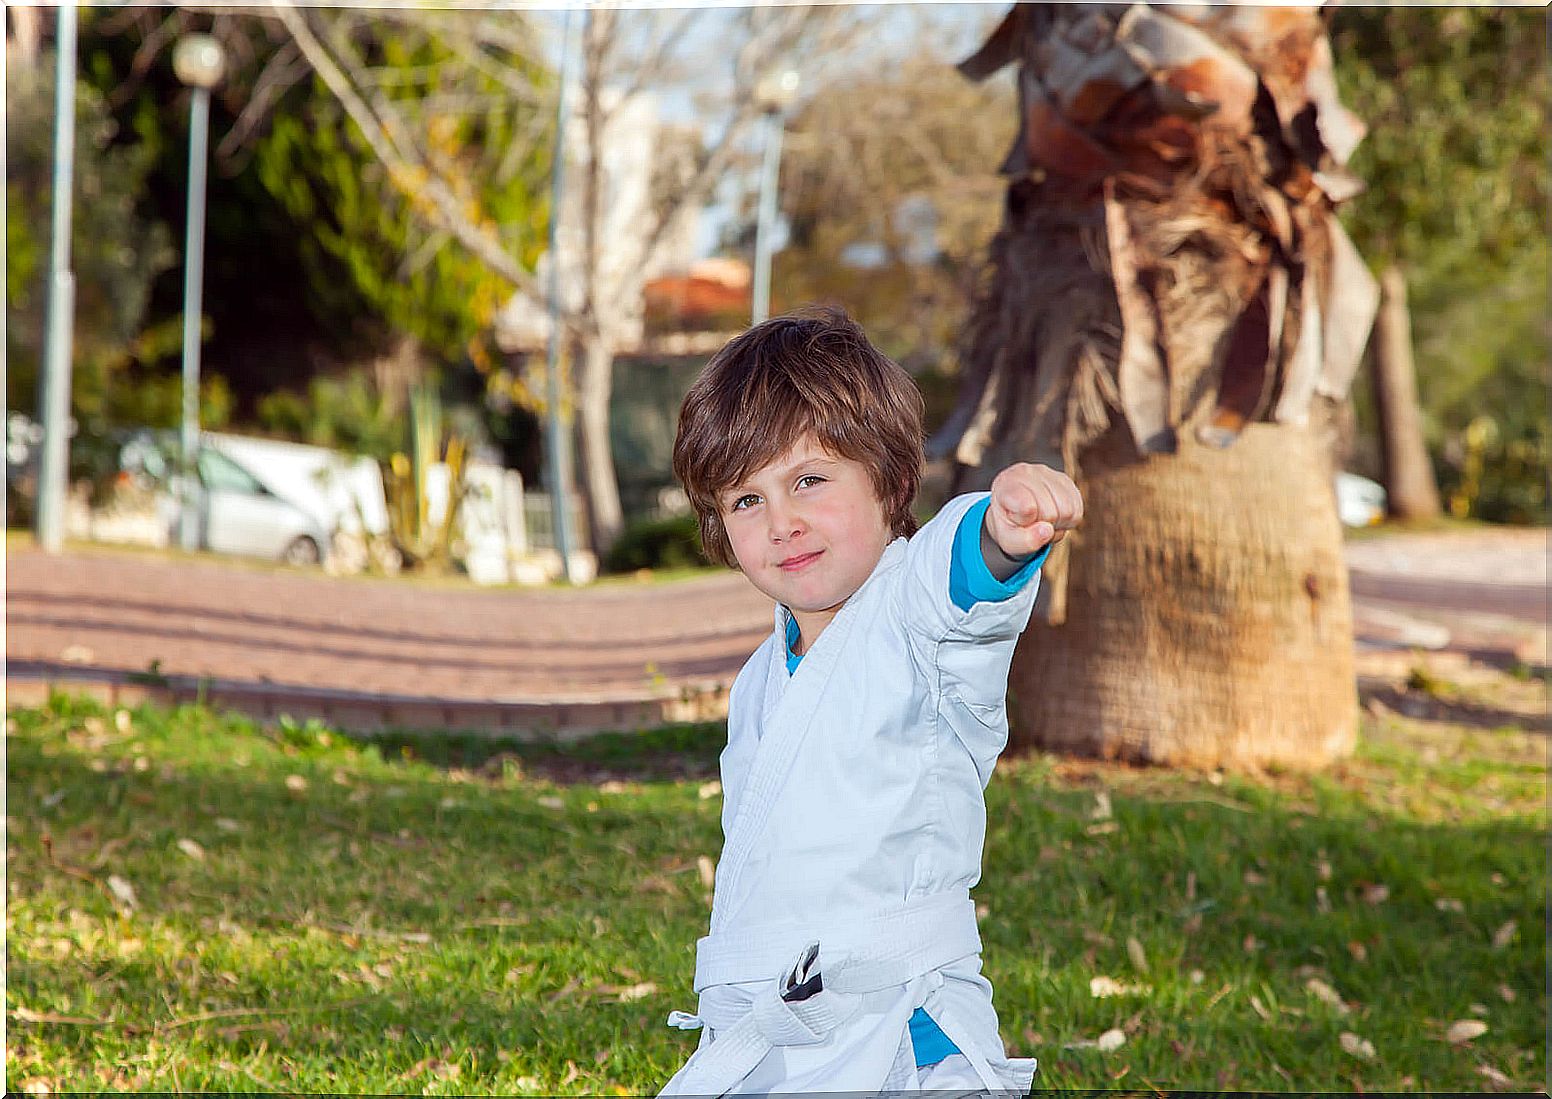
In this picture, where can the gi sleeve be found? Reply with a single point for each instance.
(946, 589)
(970, 579)
(964, 625)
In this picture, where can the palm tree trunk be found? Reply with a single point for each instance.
(1411, 491)
(1208, 621)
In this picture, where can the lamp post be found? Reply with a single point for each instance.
(557, 438)
(199, 62)
(774, 94)
(54, 398)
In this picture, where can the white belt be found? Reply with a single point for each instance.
(911, 938)
(889, 948)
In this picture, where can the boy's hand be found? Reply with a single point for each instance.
(1032, 506)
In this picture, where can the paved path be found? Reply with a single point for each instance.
(373, 652)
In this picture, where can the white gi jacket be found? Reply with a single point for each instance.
(854, 818)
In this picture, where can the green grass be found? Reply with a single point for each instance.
(457, 917)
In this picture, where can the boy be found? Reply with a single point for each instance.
(843, 953)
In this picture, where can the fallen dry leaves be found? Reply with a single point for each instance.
(1464, 1030)
(1102, 987)
(1361, 1048)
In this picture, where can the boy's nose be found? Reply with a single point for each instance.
(785, 523)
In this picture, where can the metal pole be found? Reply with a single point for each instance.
(193, 278)
(557, 436)
(54, 395)
(766, 222)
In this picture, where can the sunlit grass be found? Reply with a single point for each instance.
(197, 902)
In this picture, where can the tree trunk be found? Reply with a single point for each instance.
(1208, 621)
(1412, 493)
(595, 366)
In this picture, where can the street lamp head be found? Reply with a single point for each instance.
(199, 61)
(776, 90)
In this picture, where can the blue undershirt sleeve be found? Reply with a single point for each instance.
(969, 580)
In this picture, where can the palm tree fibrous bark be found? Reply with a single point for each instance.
(1171, 313)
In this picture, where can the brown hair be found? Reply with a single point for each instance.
(813, 371)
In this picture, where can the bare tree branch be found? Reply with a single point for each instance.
(280, 73)
(656, 58)
(428, 195)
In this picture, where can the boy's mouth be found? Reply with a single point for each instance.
(802, 560)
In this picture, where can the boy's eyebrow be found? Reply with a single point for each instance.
(738, 488)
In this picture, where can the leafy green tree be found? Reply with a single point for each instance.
(1456, 167)
(116, 252)
(362, 222)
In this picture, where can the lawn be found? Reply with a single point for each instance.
(197, 902)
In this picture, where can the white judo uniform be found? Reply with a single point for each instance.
(854, 819)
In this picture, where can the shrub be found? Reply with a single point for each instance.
(657, 544)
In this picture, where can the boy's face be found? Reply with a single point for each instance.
(807, 530)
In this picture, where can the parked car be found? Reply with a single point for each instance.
(1360, 502)
(235, 510)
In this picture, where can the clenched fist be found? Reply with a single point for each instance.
(1032, 506)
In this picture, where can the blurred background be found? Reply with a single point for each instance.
(378, 207)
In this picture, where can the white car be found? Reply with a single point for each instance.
(1360, 502)
(235, 512)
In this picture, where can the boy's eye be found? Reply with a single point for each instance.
(810, 478)
(746, 501)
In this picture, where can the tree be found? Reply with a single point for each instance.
(116, 253)
(1172, 313)
(889, 189)
(622, 55)
(375, 273)
(491, 145)
(1457, 166)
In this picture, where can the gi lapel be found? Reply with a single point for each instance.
(790, 706)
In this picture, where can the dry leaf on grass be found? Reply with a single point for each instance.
(709, 790)
(1101, 987)
(708, 870)
(632, 993)
(1449, 904)
(1102, 809)
(1504, 935)
(296, 783)
(1464, 1030)
(1496, 1079)
(122, 721)
(1260, 1008)
(1507, 994)
(1374, 893)
(192, 850)
(1361, 1048)
(1325, 994)
(551, 802)
(1135, 952)
(1112, 1039)
(122, 891)
(571, 1073)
